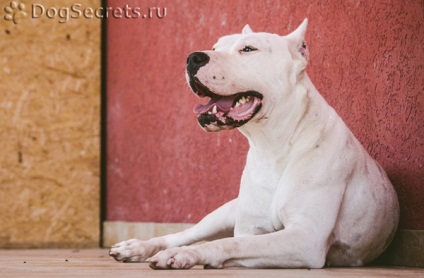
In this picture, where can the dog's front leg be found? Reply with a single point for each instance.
(289, 248)
(217, 224)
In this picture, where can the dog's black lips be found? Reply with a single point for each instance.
(199, 89)
(211, 119)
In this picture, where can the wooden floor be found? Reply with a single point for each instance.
(97, 263)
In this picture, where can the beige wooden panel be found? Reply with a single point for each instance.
(49, 128)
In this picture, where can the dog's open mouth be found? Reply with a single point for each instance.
(226, 112)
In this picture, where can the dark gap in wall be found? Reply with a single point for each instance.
(103, 123)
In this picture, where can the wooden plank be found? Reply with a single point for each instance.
(96, 263)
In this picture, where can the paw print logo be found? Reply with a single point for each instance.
(15, 11)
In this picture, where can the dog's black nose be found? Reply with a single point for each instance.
(195, 61)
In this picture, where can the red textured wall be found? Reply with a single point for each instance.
(367, 60)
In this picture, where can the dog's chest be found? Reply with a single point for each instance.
(255, 214)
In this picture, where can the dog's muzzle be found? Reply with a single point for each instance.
(195, 61)
(221, 112)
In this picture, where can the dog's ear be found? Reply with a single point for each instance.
(246, 30)
(297, 43)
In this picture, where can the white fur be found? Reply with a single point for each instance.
(310, 195)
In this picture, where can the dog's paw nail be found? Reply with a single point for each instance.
(153, 265)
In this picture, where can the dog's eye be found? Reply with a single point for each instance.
(248, 49)
(213, 49)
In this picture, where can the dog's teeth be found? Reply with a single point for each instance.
(242, 101)
(214, 110)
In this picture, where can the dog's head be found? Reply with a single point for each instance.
(244, 76)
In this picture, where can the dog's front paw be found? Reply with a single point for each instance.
(132, 250)
(175, 258)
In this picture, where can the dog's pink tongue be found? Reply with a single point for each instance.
(222, 104)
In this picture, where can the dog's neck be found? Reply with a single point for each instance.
(281, 129)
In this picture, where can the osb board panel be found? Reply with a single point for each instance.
(49, 129)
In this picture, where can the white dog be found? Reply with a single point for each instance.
(310, 195)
